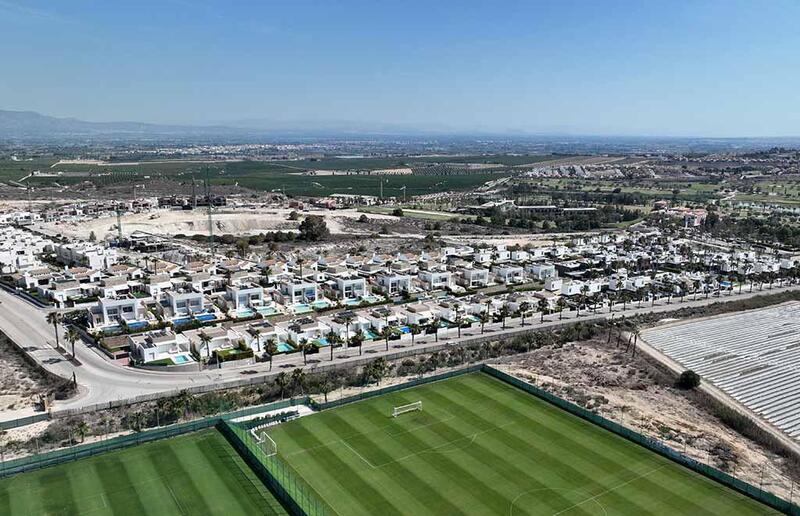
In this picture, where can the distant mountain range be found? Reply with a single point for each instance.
(31, 125)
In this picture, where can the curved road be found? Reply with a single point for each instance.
(103, 381)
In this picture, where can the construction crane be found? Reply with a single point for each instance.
(210, 220)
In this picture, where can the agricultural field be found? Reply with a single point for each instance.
(199, 473)
(480, 446)
(287, 176)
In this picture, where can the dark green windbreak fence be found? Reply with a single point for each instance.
(53, 458)
(394, 388)
(652, 444)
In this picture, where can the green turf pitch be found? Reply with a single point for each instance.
(195, 474)
(480, 446)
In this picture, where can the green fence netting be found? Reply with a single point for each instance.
(55, 457)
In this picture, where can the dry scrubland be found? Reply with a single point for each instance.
(633, 392)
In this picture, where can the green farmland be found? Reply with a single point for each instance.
(194, 474)
(480, 446)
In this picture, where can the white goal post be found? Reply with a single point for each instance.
(265, 442)
(402, 409)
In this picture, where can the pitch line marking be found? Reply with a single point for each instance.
(176, 499)
(610, 489)
(435, 449)
(540, 489)
(356, 452)
(374, 431)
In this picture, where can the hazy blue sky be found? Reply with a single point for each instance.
(724, 68)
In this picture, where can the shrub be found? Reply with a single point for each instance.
(688, 380)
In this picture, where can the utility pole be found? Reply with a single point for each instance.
(381, 183)
(119, 224)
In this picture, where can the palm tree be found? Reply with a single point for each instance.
(582, 300)
(206, 340)
(299, 379)
(358, 339)
(282, 380)
(484, 318)
(503, 314)
(347, 317)
(695, 288)
(434, 325)
(55, 319)
(82, 429)
(271, 350)
(72, 338)
(305, 347)
(543, 307)
(458, 321)
(256, 333)
(524, 307)
(333, 339)
(561, 304)
(385, 332)
(415, 330)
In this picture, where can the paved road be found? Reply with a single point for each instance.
(103, 381)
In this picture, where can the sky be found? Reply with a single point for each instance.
(658, 68)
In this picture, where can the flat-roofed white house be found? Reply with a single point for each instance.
(435, 280)
(247, 295)
(341, 322)
(111, 311)
(160, 345)
(482, 257)
(218, 339)
(182, 304)
(419, 313)
(542, 271)
(350, 287)
(553, 284)
(157, 284)
(291, 292)
(393, 284)
(508, 274)
(306, 328)
(469, 277)
(381, 317)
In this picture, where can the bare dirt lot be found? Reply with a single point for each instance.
(21, 384)
(631, 391)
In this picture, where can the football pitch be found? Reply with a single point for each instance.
(198, 473)
(481, 446)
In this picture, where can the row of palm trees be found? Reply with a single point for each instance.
(72, 336)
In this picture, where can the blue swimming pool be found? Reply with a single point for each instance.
(322, 342)
(245, 312)
(180, 359)
(206, 317)
(138, 325)
(181, 321)
(301, 308)
(284, 348)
